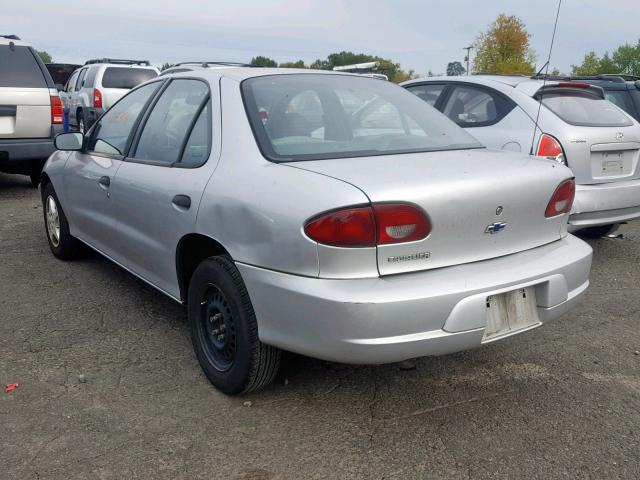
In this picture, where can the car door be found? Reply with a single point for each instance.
(490, 116)
(90, 173)
(159, 186)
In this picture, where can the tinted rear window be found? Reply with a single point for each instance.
(585, 110)
(115, 77)
(621, 98)
(19, 68)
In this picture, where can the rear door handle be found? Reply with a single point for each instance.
(182, 201)
(104, 181)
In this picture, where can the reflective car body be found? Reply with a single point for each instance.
(273, 159)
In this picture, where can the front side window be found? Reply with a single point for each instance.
(164, 133)
(429, 92)
(584, 109)
(312, 116)
(71, 82)
(111, 135)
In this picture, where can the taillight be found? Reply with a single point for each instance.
(399, 223)
(562, 199)
(574, 84)
(97, 98)
(379, 224)
(57, 110)
(550, 148)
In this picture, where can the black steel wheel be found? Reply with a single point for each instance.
(224, 330)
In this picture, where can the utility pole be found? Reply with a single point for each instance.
(468, 57)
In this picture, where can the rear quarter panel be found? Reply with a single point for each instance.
(255, 208)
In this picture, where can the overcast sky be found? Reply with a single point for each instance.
(420, 34)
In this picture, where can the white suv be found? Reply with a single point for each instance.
(100, 83)
(30, 109)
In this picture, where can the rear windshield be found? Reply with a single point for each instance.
(314, 117)
(19, 68)
(585, 110)
(125, 77)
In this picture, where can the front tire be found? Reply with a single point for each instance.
(62, 244)
(597, 232)
(224, 330)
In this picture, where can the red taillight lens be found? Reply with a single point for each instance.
(380, 224)
(399, 223)
(351, 227)
(550, 148)
(57, 110)
(562, 199)
(97, 98)
(574, 84)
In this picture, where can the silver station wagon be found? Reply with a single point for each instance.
(575, 125)
(328, 214)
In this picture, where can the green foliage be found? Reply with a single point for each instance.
(44, 56)
(166, 65)
(298, 64)
(260, 61)
(504, 48)
(624, 60)
(455, 69)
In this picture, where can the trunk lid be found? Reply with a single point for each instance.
(464, 193)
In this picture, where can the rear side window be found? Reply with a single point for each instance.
(79, 84)
(621, 98)
(584, 109)
(19, 68)
(119, 77)
(429, 93)
(90, 79)
(164, 133)
(476, 107)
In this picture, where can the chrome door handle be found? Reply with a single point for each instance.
(104, 181)
(182, 201)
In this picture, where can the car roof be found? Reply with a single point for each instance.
(522, 83)
(242, 73)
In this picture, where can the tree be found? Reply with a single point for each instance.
(624, 60)
(260, 61)
(44, 56)
(504, 48)
(455, 69)
(590, 65)
(298, 64)
(166, 65)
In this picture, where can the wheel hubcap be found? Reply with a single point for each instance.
(53, 221)
(218, 328)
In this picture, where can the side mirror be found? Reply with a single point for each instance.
(73, 141)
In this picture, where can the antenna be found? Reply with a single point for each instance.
(545, 67)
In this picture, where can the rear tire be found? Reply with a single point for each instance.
(62, 244)
(224, 330)
(597, 232)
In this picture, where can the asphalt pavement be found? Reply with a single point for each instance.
(109, 388)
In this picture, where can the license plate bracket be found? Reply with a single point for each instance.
(510, 312)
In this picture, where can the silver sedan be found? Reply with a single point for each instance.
(328, 214)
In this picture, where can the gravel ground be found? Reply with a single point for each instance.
(109, 387)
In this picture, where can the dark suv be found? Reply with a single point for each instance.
(31, 111)
(623, 90)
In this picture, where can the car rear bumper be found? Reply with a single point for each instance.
(605, 204)
(393, 318)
